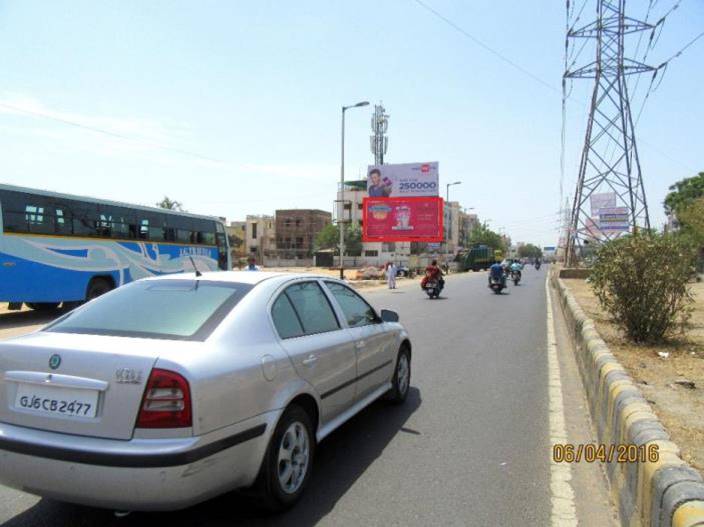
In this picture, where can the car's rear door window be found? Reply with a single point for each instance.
(285, 318)
(356, 310)
(168, 309)
(312, 307)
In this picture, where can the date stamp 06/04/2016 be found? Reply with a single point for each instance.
(594, 452)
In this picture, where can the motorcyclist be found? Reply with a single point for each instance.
(516, 267)
(496, 272)
(433, 272)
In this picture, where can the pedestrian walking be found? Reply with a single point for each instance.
(391, 270)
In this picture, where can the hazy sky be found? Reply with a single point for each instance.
(233, 107)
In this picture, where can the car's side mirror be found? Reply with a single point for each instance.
(389, 316)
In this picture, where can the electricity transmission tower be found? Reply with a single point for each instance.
(379, 142)
(609, 162)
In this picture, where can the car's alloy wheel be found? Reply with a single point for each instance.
(288, 461)
(403, 374)
(294, 456)
(402, 377)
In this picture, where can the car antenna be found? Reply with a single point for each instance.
(198, 273)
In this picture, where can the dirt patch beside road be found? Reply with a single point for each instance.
(664, 380)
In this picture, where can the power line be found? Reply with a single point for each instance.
(485, 46)
(105, 132)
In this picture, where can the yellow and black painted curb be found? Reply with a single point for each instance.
(664, 493)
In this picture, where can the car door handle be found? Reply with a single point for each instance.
(360, 344)
(310, 360)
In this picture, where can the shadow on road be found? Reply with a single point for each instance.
(19, 319)
(341, 459)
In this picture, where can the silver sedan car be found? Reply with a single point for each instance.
(171, 390)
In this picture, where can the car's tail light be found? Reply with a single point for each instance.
(166, 402)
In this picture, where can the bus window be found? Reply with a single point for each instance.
(184, 236)
(104, 228)
(84, 218)
(222, 250)
(120, 228)
(37, 219)
(61, 226)
(169, 234)
(156, 233)
(206, 238)
(34, 215)
(144, 229)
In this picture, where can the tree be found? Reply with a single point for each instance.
(683, 193)
(329, 238)
(167, 203)
(642, 281)
(691, 218)
(529, 251)
(483, 235)
(353, 240)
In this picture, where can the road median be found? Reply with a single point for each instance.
(666, 492)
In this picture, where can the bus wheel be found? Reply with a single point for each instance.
(97, 287)
(43, 306)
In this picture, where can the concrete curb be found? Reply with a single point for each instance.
(665, 493)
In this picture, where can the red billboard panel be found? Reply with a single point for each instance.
(409, 219)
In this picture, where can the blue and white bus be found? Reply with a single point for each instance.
(61, 248)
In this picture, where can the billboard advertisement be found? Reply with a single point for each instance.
(614, 219)
(403, 180)
(407, 219)
(602, 201)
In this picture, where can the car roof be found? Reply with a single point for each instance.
(242, 277)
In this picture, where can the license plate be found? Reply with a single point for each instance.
(56, 401)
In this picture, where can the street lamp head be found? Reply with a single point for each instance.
(457, 182)
(363, 103)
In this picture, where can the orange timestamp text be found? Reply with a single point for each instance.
(593, 452)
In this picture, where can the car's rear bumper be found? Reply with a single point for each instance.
(140, 474)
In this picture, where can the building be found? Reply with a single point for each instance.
(296, 230)
(467, 223)
(451, 226)
(260, 236)
(237, 234)
(350, 209)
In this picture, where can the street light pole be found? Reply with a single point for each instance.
(447, 189)
(342, 185)
(447, 204)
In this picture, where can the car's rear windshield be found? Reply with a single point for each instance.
(165, 309)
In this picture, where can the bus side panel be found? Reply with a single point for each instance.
(30, 281)
(55, 269)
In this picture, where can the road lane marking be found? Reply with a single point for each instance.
(562, 495)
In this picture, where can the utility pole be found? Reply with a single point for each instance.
(342, 185)
(609, 161)
(379, 142)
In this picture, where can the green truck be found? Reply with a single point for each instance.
(479, 257)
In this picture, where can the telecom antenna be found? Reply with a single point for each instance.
(379, 142)
(609, 162)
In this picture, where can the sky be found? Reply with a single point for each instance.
(233, 107)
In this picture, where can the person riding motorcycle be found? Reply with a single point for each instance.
(433, 272)
(516, 267)
(496, 272)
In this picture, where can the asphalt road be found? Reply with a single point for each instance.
(471, 445)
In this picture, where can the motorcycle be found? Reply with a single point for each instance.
(497, 285)
(432, 288)
(537, 266)
(516, 277)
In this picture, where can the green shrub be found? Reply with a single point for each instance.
(642, 281)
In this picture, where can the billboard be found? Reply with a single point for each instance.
(614, 219)
(407, 219)
(602, 201)
(401, 180)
